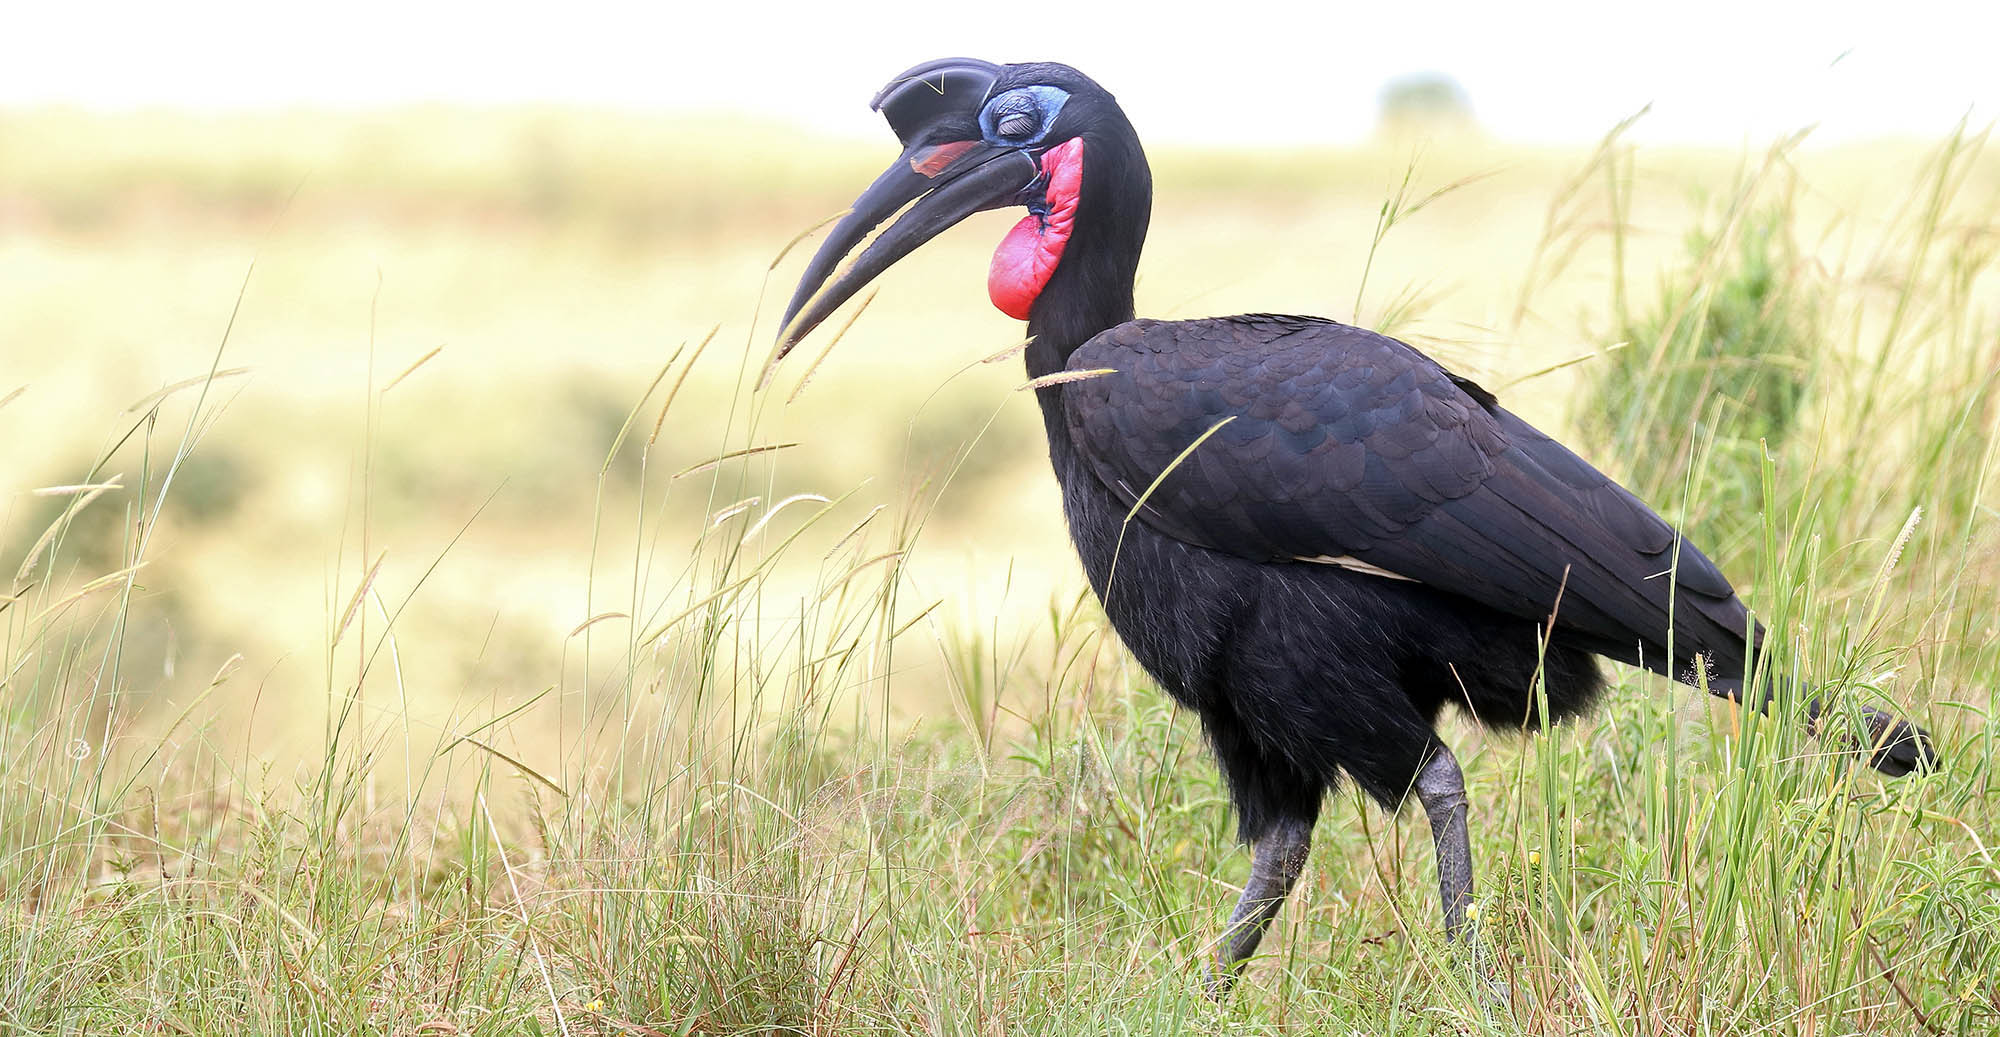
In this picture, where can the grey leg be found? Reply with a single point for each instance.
(1279, 857)
(1441, 789)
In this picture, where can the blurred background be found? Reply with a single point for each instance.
(436, 257)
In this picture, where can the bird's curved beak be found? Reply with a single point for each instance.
(946, 182)
(944, 174)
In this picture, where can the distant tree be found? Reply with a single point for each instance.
(1430, 104)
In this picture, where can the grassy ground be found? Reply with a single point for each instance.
(355, 687)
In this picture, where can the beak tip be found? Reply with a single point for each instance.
(788, 337)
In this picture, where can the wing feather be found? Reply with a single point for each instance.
(1349, 445)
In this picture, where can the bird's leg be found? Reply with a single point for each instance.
(1280, 855)
(1441, 789)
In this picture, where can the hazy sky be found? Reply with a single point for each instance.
(1224, 72)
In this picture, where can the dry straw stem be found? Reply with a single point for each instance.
(360, 592)
(1111, 581)
(730, 455)
(855, 530)
(512, 761)
(730, 511)
(1542, 372)
(763, 568)
(668, 403)
(778, 352)
(914, 620)
(772, 512)
(801, 236)
(594, 620)
(699, 604)
(412, 369)
(828, 349)
(185, 383)
(1878, 595)
(848, 576)
(1178, 460)
(222, 675)
(521, 908)
(1398, 208)
(1539, 272)
(110, 579)
(71, 489)
(26, 658)
(618, 441)
(89, 492)
(510, 714)
(1064, 378)
(1013, 350)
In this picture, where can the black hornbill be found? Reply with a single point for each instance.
(1312, 535)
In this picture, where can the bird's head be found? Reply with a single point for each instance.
(980, 136)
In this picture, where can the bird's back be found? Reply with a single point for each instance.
(1301, 442)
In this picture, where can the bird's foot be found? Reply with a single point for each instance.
(1217, 980)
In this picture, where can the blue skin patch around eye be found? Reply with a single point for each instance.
(1044, 102)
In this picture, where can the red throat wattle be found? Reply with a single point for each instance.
(1028, 255)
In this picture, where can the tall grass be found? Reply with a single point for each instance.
(737, 830)
(1719, 364)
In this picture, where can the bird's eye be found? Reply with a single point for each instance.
(1021, 117)
(1015, 124)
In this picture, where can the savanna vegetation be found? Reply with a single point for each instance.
(413, 620)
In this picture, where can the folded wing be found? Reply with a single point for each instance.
(1332, 444)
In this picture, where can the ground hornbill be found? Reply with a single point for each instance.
(1312, 535)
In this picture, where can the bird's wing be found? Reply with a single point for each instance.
(1334, 444)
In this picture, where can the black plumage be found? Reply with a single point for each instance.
(1313, 536)
(1333, 442)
